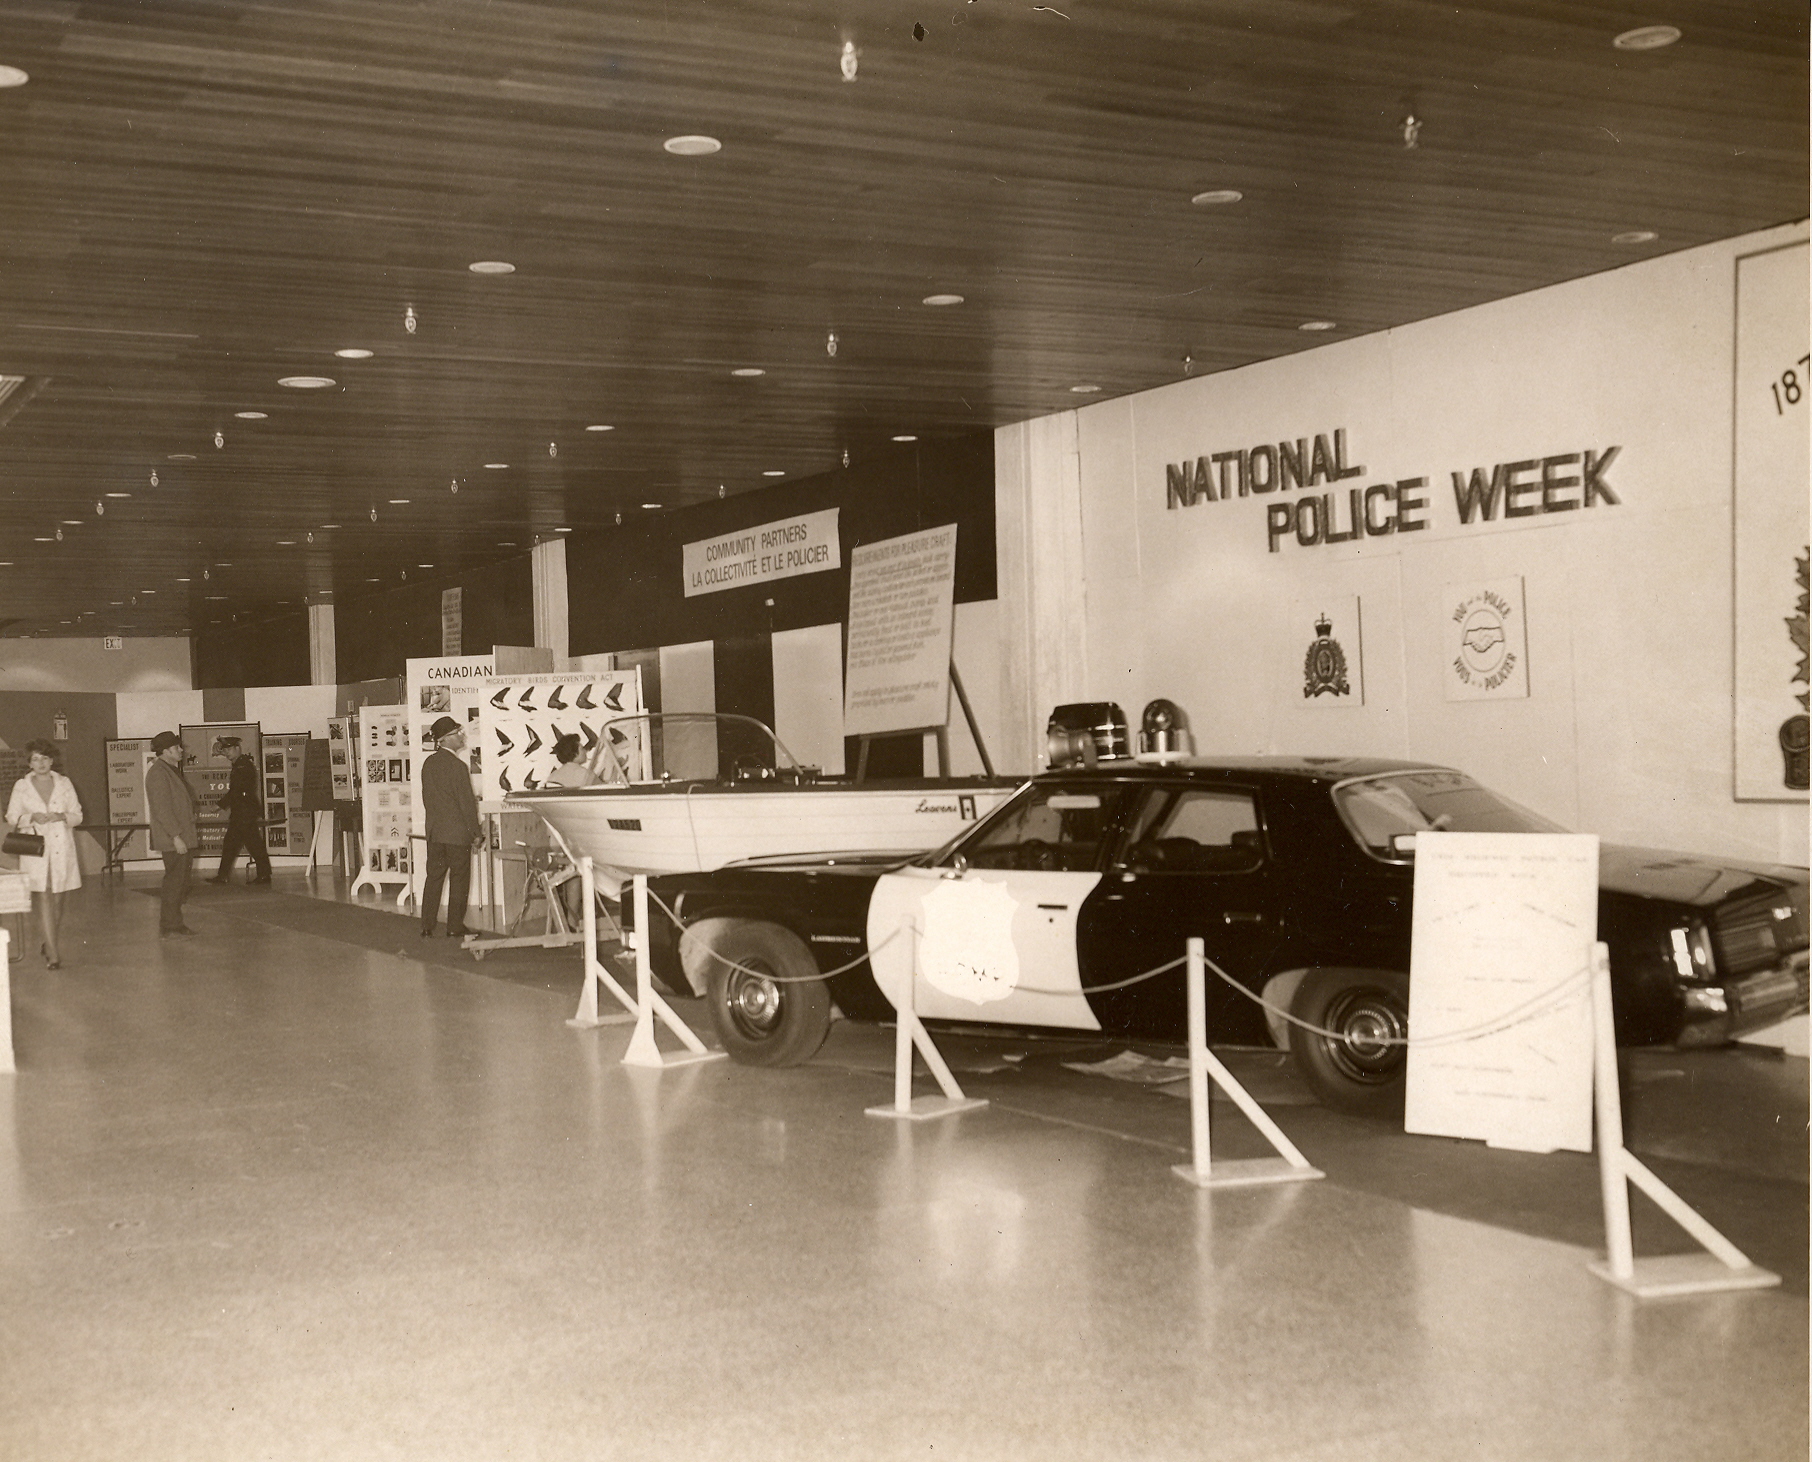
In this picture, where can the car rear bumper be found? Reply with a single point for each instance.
(1719, 1013)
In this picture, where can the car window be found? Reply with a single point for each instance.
(1055, 828)
(1376, 809)
(1194, 830)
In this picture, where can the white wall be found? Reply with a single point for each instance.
(1627, 728)
(80, 664)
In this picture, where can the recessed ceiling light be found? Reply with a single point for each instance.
(1647, 38)
(1316, 325)
(1635, 236)
(1087, 388)
(943, 299)
(492, 266)
(72, 522)
(6, 563)
(305, 383)
(44, 540)
(251, 415)
(692, 145)
(774, 472)
(181, 457)
(399, 502)
(119, 494)
(600, 427)
(13, 76)
(374, 581)
(286, 543)
(496, 466)
(353, 352)
(215, 598)
(651, 506)
(424, 565)
(748, 371)
(223, 565)
(563, 530)
(330, 525)
(507, 543)
(182, 581)
(908, 438)
(1217, 195)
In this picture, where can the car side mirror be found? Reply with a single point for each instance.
(1403, 845)
(959, 865)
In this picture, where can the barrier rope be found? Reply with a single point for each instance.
(1536, 1006)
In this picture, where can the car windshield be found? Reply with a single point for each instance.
(1376, 809)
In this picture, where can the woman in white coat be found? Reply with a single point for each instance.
(44, 802)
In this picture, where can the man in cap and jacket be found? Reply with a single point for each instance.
(451, 813)
(170, 803)
(244, 804)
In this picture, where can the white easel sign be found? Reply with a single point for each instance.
(1500, 1015)
(901, 594)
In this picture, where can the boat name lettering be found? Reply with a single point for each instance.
(625, 824)
(926, 805)
(836, 939)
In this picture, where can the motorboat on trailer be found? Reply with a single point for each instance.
(693, 825)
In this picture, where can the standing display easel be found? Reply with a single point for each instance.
(384, 800)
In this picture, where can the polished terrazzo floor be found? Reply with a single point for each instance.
(268, 1194)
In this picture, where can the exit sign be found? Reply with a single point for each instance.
(113, 642)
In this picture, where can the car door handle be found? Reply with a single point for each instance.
(1239, 916)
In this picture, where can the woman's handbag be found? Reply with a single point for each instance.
(23, 845)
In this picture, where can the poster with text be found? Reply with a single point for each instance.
(900, 597)
(1500, 1014)
(1773, 378)
(1485, 642)
(522, 716)
(343, 757)
(127, 760)
(1324, 659)
(384, 794)
(451, 686)
(209, 750)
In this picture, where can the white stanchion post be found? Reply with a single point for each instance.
(587, 1017)
(908, 1033)
(1290, 1167)
(7, 1068)
(1724, 1267)
(643, 1051)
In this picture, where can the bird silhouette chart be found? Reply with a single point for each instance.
(522, 716)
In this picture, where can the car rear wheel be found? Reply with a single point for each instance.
(1358, 1066)
(767, 1006)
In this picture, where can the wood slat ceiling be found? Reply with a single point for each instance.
(202, 196)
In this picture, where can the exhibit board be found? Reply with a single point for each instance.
(208, 760)
(521, 716)
(1500, 1015)
(384, 795)
(900, 597)
(449, 686)
(287, 828)
(128, 757)
(343, 757)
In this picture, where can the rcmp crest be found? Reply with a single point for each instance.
(1324, 667)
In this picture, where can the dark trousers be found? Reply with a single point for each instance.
(449, 863)
(242, 831)
(175, 890)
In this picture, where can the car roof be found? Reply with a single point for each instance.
(1228, 768)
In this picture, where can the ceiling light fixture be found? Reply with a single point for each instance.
(563, 530)
(906, 437)
(1087, 388)
(1647, 38)
(353, 352)
(409, 319)
(600, 426)
(219, 440)
(692, 145)
(1216, 196)
(492, 266)
(496, 466)
(119, 494)
(250, 415)
(942, 299)
(1635, 236)
(13, 76)
(399, 502)
(748, 371)
(775, 472)
(847, 61)
(305, 383)
(651, 506)
(1313, 325)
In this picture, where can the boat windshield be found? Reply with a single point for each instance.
(1392, 804)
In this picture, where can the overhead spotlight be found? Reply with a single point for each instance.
(453, 486)
(619, 520)
(1647, 38)
(846, 456)
(1188, 364)
(1412, 129)
(409, 318)
(374, 514)
(553, 449)
(154, 477)
(219, 440)
(848, 61)
(720, 489)
(830, 343)
(100, 508)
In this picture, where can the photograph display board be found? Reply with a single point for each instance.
(287, 828)
(127, 759)
(1773, 383)
(521, 716)
(385, 794)
(343, 757)
(450, 686)
(1500, 943)
(208, 766)
(900, 597)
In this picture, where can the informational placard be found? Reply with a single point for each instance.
(522, 716)
(1485, 644)
(287, 828)
(900, 597)
(343, 757)
(452, 686)
(385, 794)
(317, 777)
(209, 750)
(127, 759)
(1324, 657)
(783, 549)
(1500, 1016)
(1773, 382)
(452, 621)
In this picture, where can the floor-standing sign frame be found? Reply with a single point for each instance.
(385, 799)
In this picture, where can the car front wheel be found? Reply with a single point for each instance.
(767, 1005)
(1354, 1060)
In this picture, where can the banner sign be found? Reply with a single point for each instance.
(783, 549)
(1773, 377)
(1501, 935)
(522, 716)
(900, 597)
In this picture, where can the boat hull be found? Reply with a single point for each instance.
(697, 826)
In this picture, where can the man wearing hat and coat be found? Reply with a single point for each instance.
(170, 804)
(451, 813)
(244, 802)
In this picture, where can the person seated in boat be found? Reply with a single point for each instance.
(571, 772)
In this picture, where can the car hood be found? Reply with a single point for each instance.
(1685, 878)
